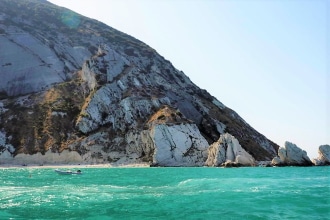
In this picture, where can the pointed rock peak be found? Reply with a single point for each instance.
(168, 115)
(228, 152)
(324, 156)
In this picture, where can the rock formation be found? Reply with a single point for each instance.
(228, 152)
(291, 155)
(73, 84)
(324, 156)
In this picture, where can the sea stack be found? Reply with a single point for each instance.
(228, 152)
(324, 156)
(291, 155)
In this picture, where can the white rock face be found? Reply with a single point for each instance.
(228, 149)
(292, 155)
(324, 156)
(178, 145)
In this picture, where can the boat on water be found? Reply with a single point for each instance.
(67, 172)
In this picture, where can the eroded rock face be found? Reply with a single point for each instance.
(90, 89)
(291, 155)
(162, 145)
(324, 156)
(178, 145)
(227, 150)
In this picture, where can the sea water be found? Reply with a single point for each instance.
(166, 193)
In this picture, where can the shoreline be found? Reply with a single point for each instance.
(72, 166)
(87, 166)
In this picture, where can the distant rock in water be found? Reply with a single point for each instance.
(291, 155)
(228, 152)
(84, 92)
(324, 156)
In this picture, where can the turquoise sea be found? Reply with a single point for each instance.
(166, 193)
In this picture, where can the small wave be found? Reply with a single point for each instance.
(10, 204)
(201, 186)
(201, 181)
(255, 189)
(182, 183)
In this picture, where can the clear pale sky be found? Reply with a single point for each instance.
(265, 59)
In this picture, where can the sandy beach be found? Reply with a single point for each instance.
(66, 159)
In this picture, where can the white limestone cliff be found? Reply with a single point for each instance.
(178, 145)
(291, 155)
(227, 149)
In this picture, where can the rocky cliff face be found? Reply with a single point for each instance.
(72, 84)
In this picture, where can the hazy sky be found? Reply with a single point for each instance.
(265, 59)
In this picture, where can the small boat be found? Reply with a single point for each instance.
(67, 172)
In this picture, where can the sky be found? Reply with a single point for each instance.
(265, 59)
